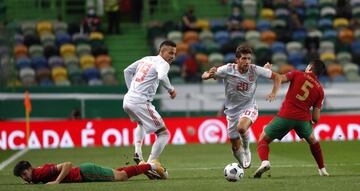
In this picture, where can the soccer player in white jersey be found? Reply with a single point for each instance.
(142, 80)
(240, 106)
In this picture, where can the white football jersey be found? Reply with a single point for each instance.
(143, 76)
(240, 88)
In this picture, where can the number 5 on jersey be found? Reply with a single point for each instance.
(305, 87)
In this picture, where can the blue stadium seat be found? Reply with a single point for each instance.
(62, 38)
(229, 58)
(222, 37)
(278, 47)
(263, 25)
(23, 62)
(39, 62)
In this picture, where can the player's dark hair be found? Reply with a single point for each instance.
(318, 67)
(243, 49)
(20, 167)
(168, 43)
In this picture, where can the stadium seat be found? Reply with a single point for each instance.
(175, 36)
(23, 62)
(95, 82)
(96, 36)
(87, 61)
(267, 14)
(312, 13)
(328, 12)
(327, 46)
(296, 58)
(59, 74)
(27, 76)
(67, 50)
(263, 25)
(315, 34)
(203, 24)
(311, 3)
(340, 23)
(75, 76)
(206, 36)
(91, 73)
(191, 37)
(211, 47)
(279, 57)
(80, 38)
(329, 35)
(268, 37)
(56, 61)
(98, 50)
(229, 58)
(282, 14)
(108, 76)
(327, 3)
(36, 50)
(38, 62)
(201, 58)
(47, 39)
(252, 37)
(44, 27)
(343, 57)
(217, 25)
(28, 28)
(222, 37)
(278, 47)
(103, 61)
(279, 24)
(20, 51)
(83, 49)
(328, 58)
(237, 37)
(310, 23)
(182, 48)
(334, 70)
(325, 24)
(60, 27)
(249, 24)
(356, 12)
(346, 36)
(299, 35)
(43, 74)
(62, 38)
(357, 34)
(71, 61)
(216, 59)
(351, 71)
(294, 47)
(197, 48)
(249, 8)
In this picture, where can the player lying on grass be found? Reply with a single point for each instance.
(86, 172)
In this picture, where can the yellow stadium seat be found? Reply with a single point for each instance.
(267, 14)
(59, 74)
(67, 50)
(328, 57)
(203, 24)
(340, 23)
(96, 36)
(44, 27)
(87, 61)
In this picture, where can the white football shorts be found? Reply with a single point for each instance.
(251, 113)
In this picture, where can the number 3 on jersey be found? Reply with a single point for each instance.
(305, 87)
(142, 72)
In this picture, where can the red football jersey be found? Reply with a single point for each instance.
(49, 172)
(305, 91)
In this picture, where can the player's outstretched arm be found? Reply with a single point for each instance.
(277, 82)
(64, 169)
(209, 74)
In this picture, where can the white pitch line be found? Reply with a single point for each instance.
(275, 166)
(12, 158)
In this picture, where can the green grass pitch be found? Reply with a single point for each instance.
(200, 167)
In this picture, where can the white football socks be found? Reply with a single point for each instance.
(159, 145)
(139, 136)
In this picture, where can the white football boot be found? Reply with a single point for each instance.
(323, 172)
(247, 155)
(265, 166)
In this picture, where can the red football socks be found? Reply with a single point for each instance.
(136, 170)
(263, 150)
(317, 153)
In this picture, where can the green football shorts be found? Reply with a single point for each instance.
(279, 127)
(94, 173)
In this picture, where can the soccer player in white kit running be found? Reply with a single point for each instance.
(142, 80)
(240, 106)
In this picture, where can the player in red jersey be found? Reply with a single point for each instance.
(86, 172)
(305, 92)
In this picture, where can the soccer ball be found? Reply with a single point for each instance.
(233, 172)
